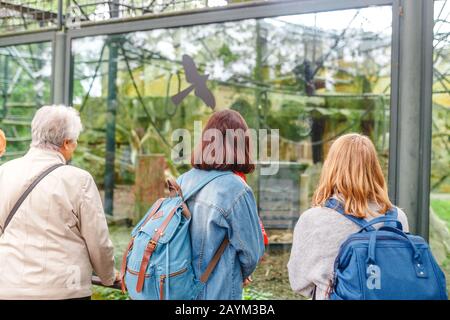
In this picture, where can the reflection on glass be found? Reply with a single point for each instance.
(440, 153)
(25, 81)
(313, 77)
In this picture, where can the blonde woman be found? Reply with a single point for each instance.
(351, 174)
(2, 142)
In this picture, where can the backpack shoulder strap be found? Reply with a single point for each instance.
(334, 204)
(392, 214)
(210, 268)
(27, 192)
(210, 176)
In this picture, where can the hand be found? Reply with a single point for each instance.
(118, 276)
(247, 281)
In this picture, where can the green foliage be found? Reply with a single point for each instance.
(247, 110)
(253, 294)
(227, 55)
(440, 151)
(442, 209)
(104, 293)
(292, 120)
(22, 92)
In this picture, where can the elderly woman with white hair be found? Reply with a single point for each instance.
(53, 231)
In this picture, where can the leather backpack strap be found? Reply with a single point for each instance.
(151, 247)
(210, 268)
(174, 188)
(27, 192)
(124, 267)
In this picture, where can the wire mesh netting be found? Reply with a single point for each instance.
(98, 10)
(25, 80)
(26, 15)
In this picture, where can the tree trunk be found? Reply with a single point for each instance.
(149, 183)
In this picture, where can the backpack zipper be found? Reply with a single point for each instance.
(378, 238)
(346, 242)
(162, 281)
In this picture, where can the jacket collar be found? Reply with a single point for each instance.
(46, 153)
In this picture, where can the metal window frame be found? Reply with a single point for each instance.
(426, 118)
(394, 112)
(404, 174)
(27, 37)
(233, 12)
(63, 64)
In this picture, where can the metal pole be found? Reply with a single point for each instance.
(259, 78)
(426, 118)
(111, 109)
(5, 86)
(59, 67)
(393, 112)
(414, 112)
(60, 21)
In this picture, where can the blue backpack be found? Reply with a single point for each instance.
(384, 264)
(157, 264)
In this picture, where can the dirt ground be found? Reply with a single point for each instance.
(271, 277)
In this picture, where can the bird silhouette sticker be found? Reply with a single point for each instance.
(198, 83)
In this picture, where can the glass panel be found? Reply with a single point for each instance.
(25, 84)
(313, 77)
(440, 153)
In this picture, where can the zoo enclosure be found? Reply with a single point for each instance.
(56, 28)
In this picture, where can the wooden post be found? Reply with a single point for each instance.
(149, 183)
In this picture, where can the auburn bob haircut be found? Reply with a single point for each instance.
(226, 144)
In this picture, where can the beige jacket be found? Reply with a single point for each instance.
(58, 236)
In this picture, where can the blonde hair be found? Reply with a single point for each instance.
(351, 170)
(2, 142)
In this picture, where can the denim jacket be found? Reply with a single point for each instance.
(224, 207)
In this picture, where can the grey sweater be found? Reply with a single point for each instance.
(318, 235)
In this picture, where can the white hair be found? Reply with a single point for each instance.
(53, 124)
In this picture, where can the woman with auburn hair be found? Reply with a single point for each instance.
(352, 175)
(2, 142)
(225, 208)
